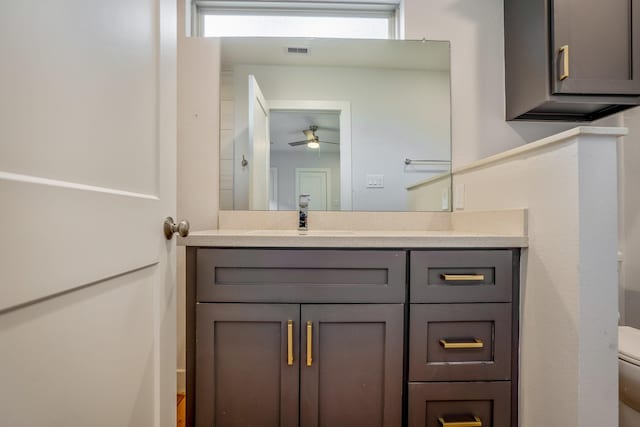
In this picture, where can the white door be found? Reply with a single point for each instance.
(259, 147)
(317, 183)
(87, 175)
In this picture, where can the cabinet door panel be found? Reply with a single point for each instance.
(604, 52)
(242, 373)
(355, 377)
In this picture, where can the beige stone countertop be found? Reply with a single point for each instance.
(351, 239)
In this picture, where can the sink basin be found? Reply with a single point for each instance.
(327, 233)
(300, 233)
(272, 232)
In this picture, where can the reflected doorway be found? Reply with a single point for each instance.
(311, 149)
(316, 182)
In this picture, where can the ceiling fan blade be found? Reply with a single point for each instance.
(309, 134)
(329, 142)
(294, 144)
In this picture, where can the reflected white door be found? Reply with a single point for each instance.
(87, 175)
(259, 147)
(317, 183)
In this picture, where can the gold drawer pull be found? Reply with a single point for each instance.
(290, 342)
(462, 277)
(564, 50)
(477, 422)
(309, 343)
(456, 344)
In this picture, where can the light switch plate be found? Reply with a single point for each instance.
(445, 199)
(375, 181)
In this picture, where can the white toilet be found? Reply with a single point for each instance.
(629, 368)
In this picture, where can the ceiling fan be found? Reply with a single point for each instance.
(312, 140)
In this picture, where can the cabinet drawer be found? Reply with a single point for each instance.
(480, 404)
(461, 276)
(266, 275)
(457, 342)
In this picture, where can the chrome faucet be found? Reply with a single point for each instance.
(303, 207)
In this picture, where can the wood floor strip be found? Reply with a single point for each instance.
(181, 410)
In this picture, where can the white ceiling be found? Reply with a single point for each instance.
(287, 126)
(392, 54)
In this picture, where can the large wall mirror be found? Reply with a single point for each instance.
(358, 124)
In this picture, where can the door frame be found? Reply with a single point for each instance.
(328, 183)
(273, 184)
(343, 108)
(255, 94)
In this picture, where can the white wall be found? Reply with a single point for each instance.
(568, 359)
(287, 162)
(395, 114)
(630, 219)
(198, 124)
(431, 195)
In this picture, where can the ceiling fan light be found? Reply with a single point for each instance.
(313, 144)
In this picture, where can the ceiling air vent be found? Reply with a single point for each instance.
(298, 50)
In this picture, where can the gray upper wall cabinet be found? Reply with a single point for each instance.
(571, 60)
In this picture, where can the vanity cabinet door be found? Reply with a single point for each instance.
(600, 48)
(244, 373)
(351, 365)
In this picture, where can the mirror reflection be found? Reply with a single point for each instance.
(357, 124)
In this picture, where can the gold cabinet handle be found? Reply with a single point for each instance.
(462, 277)
(477, 422)
(564, 50)
(472, 343)
(290, 342)
(309, 343)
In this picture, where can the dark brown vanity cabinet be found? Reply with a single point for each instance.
(572, 60)
(323, 337)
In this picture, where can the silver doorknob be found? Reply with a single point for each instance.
(170, 227)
